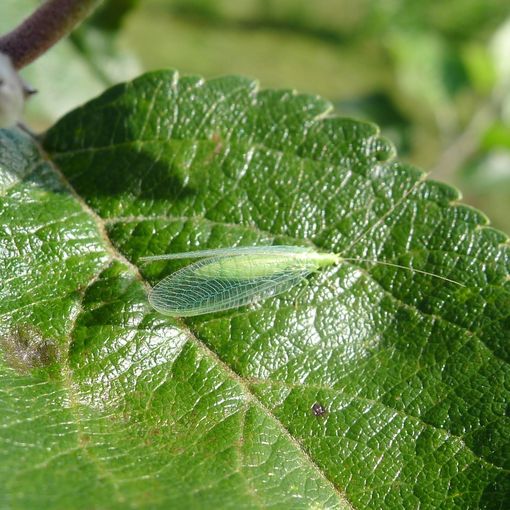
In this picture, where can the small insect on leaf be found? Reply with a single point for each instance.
(231, 277)
(318, 409)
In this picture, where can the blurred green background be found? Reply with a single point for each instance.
(434, 75)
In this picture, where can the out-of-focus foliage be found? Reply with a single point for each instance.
(96, 39)
(486, 175)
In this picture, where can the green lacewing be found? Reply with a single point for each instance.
(228, 278)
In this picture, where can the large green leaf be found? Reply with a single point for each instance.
(367, 386)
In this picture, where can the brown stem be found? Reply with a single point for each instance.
(43, 28)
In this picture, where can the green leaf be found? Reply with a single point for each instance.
(367, 386)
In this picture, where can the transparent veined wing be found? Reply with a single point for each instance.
(189, 292)
(222, 252)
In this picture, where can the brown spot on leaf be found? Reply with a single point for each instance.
(24, 348)
(84, 440)
(216, 138)
(218, 147)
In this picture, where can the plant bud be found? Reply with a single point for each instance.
(12, 93)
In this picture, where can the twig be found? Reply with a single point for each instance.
(43, 28)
